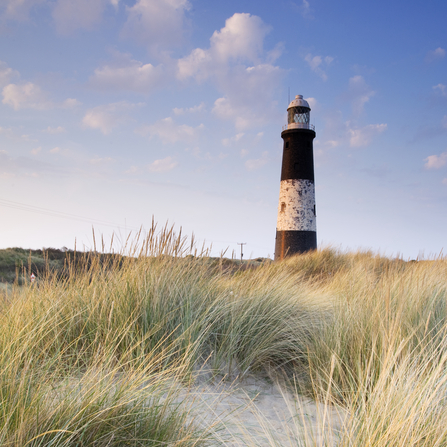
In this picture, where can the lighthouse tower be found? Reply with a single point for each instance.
(296, 229)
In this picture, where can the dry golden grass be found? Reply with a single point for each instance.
(97, 359)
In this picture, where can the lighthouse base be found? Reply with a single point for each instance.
(289, 243)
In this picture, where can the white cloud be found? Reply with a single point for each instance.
(346, 133)
(18, 9)
(250, 100)
(31, 96)
(6, 73)
(156, 23)
(163, 165)
(36, 150)
(363, 136)
(70, 15)
(439, 53)
(312, 103)
(70, 103)
(199, 64)
(132, 170)
(240, 40)
(102, 161)
(106, 117)
(316, 64)
(131, 75)
(26, 96)
(442, 89)
(194, 109)
(304, 9)
(199, 154)
(54, 130)
(232, 140)
(274, 54)
(248, 92)
(254, 164)
(170, 132)
(444, 181)
(359, 93)
(55, 150)
(436, 161)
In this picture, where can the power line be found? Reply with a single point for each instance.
(62, 215)
(59, 214)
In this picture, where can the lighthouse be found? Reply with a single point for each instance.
(296, 229)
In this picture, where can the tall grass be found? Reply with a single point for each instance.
(97, 357)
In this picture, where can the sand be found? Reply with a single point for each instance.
(257, 412)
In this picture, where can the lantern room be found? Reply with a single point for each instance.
(298, 114)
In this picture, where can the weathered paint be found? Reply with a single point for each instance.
(296, 225)
(296, 210)
(292, 242)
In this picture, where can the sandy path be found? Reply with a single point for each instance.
(258, 413)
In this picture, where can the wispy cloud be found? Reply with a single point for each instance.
(163, 165)
(359, 93)
(441, 88)
(257, 163)
(437, 54)
(101, 161)
(71, 15)
(54, 130)
(194, 109)
(157, 24)
(317, 63)
(129, 74)
(6, 74)
(26, 96)
(362, 136)
(31, 96)
(106, 117)
(436, 161)
(170, 132)
(18, 10)
(232, 140)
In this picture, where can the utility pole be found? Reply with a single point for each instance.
(241, 244)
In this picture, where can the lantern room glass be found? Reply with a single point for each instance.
(298, 115)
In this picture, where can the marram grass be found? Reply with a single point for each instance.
(97, 358)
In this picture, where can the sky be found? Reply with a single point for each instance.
(114, 112)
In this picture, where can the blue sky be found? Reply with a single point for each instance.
(114, 111)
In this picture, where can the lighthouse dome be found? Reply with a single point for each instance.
(299, 101)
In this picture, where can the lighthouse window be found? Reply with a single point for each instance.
(287, 144)
(283, 207)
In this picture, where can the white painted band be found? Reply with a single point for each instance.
(296, 211)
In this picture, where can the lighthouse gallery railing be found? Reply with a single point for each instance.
(299, 126)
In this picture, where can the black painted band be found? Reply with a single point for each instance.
(298, 155)
(289, 243)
